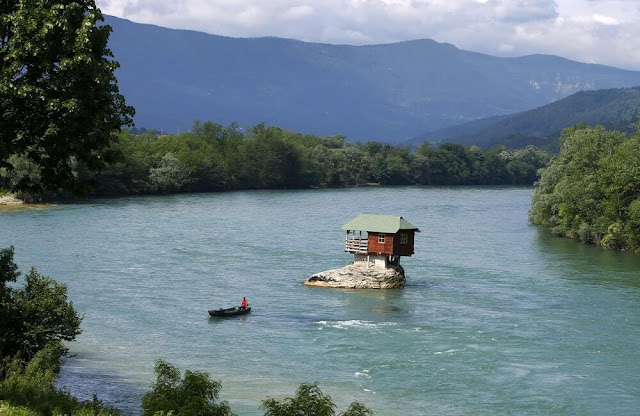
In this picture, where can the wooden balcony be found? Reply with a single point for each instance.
(356, 245)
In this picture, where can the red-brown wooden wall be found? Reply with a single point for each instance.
(391, 244)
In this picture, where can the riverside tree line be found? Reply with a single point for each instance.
(212, 157)
(591, 190)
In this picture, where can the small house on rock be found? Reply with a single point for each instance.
(376, 254)
(386, 238)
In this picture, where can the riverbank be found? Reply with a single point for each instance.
(10, 200)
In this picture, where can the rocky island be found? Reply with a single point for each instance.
(359, 275)
(377, 254)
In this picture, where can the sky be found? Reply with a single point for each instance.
(594, 31)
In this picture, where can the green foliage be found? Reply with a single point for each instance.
(29, 387)
(8, 270)
(170, 176)
(310, 400)
(8, 410)
(24, 171)
(590, 190)
(32, 383)
(34, 315)
(58, 90)
(632, 227)
(193, 395)
(46, 313)
(215, 158)
(356, 409)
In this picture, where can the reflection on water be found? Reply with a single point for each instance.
(24, 207)
(569, 259)
(83, 380)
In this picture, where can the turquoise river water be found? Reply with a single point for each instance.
(498, 317)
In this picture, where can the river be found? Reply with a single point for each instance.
(498, 317)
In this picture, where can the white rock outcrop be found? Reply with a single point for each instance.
(10, 200)
(359, 275)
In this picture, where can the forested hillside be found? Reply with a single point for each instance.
(386, 93)
(614, 109)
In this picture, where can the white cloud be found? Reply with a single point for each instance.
(605, 20)
(298, 12)
(600, 31)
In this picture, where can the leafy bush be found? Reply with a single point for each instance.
(33, 316)
(7, 410)
(31, 385)
(310, 400)
(585, 233)
(194, 395)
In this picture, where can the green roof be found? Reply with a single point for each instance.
(389, 224)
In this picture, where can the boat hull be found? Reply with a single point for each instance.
(228, 312)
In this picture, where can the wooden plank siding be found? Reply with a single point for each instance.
(380, 248)
(391, 244)
(404, 249)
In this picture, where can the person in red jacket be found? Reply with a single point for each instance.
(244, 302)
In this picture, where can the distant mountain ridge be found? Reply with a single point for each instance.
(381, 92)
(615, 109)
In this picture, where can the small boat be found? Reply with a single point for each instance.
(235, 311)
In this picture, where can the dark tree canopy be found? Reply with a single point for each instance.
(212, 157)
(310, 400)
(591, 190)
(35, 315)
(59, 98)
(193, 395)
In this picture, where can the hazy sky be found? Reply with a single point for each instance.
(596, 31)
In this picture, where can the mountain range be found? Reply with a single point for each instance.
(390, 92)
(615, 109)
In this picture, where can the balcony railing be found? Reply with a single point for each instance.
(356, 245)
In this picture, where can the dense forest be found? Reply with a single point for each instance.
(591, 190)
(212, 157)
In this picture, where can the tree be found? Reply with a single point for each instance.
(8, 271)
(35, 315)
(310, 400)
(398, 163)
(32, 385)
(169, 176)
(59, 98)
(589, 191)
(194, 395)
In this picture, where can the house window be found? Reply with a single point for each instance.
(381, 238)
(404, 238)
